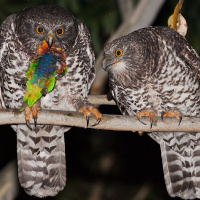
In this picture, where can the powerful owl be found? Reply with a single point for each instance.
(154, 71)
(41, 149)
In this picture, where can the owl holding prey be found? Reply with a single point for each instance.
(41, 149)
(154, 71)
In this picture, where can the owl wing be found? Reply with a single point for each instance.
(86, 47)
(5, 37)
(180, 151)
(184, 51)
(190, 57)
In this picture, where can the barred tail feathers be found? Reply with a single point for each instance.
(180, 154)
(41, 160)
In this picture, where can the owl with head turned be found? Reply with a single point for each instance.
(152, 72)
(41, 148)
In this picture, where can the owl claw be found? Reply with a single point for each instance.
(28, 125)
(162, 115)
(172, 113)
(97, 122)
(180, 119)
(87, 111)
(139, 118)
(150, 112)
(35, 122)
(87, 120)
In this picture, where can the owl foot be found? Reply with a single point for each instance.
(149, 112)
(87, 111)
(34, 110)
(172, 113)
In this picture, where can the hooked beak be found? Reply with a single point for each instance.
(107, 64)
(50, 40)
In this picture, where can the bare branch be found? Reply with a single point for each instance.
(100, 100)
(108, 122)
(126, 8)
(143, 16)
(9, 181)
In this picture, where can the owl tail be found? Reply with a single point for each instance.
(180, 152)
(41, 159)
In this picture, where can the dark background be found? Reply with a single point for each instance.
(105, 165)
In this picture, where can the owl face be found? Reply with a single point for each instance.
(51, 23)
(115, 57)
(127, 55)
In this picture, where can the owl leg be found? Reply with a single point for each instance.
(172, 113)
(149, 112)
(34, 110)
(87, 111)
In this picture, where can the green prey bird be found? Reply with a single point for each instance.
(42, 72)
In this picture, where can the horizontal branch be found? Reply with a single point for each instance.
(100, 100)
(108, 122)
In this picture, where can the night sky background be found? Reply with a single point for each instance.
(109, 164)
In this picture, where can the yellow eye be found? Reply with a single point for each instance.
(39, 30)
(118, 52)
(60, 31)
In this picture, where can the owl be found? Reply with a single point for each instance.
(155, 72)
(41, 149)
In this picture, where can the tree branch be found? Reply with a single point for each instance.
(100, 100)
(9, 181)
(126, 8)
(108, 122)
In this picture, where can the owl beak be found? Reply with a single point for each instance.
(50, 40)
(106, 64)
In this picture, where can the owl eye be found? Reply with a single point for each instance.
(60, 31)
(39, 30)
(118, 52)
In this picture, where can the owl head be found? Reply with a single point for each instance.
(48, 22)
(128, 55)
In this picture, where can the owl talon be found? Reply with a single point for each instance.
(35, 122)
(139, 118)
(172, 113)
(151, 122)
(28, 125)
(34, 110)
(87, 111)
(162, 115)
(97, 122)
(87, 120)
(150, 113)
(180, 119)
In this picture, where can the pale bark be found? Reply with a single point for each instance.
(108, 122)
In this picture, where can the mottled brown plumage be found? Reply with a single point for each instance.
(156, 69)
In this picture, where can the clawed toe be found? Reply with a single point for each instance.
(34, 110)
(150, 113)
(28, 125)
(87, 111)
(172, 113)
